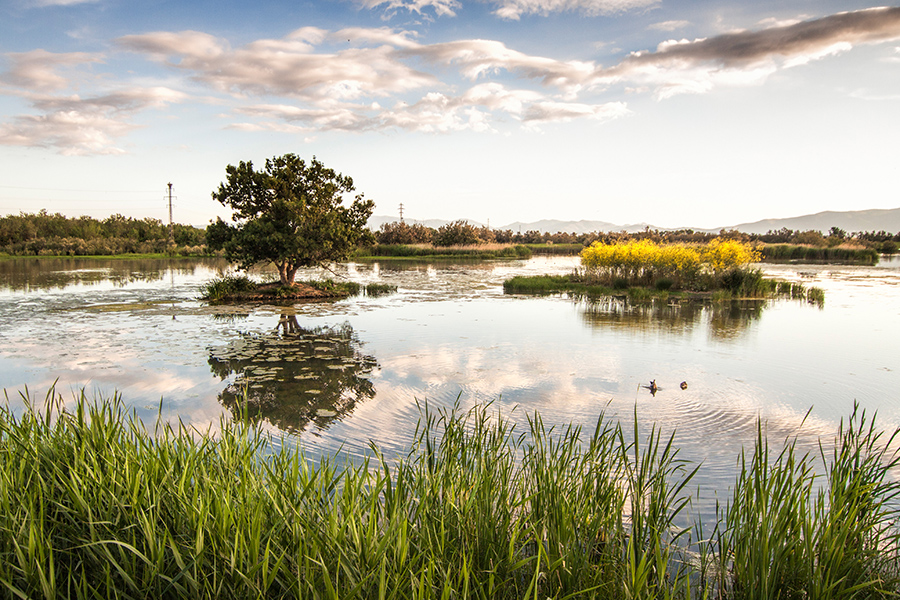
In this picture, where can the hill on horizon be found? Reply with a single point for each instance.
(876, 219)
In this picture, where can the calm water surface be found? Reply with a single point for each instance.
(337, 375)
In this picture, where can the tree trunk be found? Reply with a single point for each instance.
(287, 271)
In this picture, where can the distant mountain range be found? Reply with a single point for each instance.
(850, 221)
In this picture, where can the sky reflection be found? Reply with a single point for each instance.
(450, 335)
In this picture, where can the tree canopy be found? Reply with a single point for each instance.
(290, 214)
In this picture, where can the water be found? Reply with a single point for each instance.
(337, 375)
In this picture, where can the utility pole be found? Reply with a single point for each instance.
(401, 212)
(171, 224)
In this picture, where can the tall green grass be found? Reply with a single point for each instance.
(95, 505)
(225, 286)
(785, 252)
(789, 532)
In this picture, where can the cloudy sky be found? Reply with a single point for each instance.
(696, 113)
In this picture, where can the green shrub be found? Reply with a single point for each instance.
(225, 286)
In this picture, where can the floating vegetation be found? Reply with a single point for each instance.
(323, 363)
(379, 289)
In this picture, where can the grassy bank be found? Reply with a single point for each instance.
(801, 253)
(94, 505)
(154, 256)
(417, 251)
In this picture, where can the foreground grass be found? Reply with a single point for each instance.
(93, 505)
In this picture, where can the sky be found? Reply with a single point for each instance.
(700, 113)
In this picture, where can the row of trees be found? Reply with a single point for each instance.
(463, 233)
(54, 234)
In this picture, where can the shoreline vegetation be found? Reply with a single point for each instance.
(419, 251)
(96, 504)
(644, 271)
(240, 288)
(45, 234)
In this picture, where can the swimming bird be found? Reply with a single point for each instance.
(684, 385)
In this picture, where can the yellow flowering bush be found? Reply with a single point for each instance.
(721, 255)
(644, 262)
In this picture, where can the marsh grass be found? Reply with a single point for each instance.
(474, 251)
(225, 286)
(379, 289)
(801, 253)
(789, 532)
(95, 505)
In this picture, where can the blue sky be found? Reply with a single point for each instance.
(675, 113)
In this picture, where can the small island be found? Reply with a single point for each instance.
(644, 270)
(289, 214)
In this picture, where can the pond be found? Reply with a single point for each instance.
(334, 376)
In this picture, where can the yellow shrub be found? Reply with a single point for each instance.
(720, 255)
(645, 260)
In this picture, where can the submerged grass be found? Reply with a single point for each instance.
(94, 505)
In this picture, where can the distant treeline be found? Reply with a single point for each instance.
(44, 234)
(54, 234)
(461, 233)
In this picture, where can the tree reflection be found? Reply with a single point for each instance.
(292, 376)
(29, 274)
(726, 320)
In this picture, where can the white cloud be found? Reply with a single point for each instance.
(37, 70)
(287, 67)
(75, 125)
(544, 112)
(514, 9)
(480, 58)
(71, 132)
(669, 25)
(383, 35)
(442, 8)
(748, 57)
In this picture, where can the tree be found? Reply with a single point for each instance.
(290, 214)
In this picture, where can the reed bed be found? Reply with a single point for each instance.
(800, 253)
(791, 533)
(94, 504)
(472, 251)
